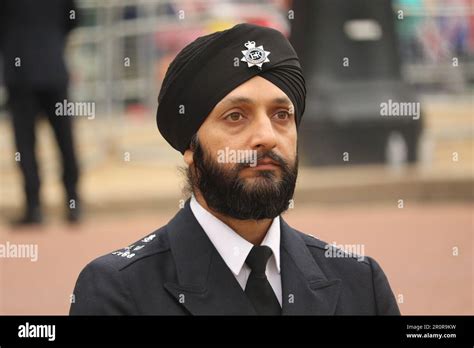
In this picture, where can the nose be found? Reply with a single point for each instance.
(263, 134)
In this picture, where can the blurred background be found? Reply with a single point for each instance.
(400, 187)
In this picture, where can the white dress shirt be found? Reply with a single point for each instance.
(234, 249)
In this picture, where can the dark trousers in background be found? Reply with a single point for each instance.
(26, 104)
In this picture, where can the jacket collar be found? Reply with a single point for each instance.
(206, 286)
(233, 248)
(305, 288)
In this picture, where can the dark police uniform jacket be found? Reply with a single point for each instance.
(177, 271)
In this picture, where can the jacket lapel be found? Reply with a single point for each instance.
(305, 288)
(206, 286)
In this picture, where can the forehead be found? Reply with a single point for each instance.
(257, 90)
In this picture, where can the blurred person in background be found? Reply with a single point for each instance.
(32, 39)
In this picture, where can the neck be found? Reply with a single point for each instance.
(253, 231)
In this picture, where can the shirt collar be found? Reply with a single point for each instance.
(230, 245)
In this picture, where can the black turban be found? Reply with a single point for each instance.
(205, 71)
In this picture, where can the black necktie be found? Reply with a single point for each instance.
(258, 289)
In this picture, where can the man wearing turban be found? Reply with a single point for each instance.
(231, 102)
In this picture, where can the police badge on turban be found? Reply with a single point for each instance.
(255, 55)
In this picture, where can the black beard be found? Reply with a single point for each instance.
(228, 194)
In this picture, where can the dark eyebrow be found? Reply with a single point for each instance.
(245, 100)
(281, 100)
(237, 100)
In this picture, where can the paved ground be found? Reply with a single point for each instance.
(414, 245)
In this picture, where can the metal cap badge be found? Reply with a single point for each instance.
(255, 55)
